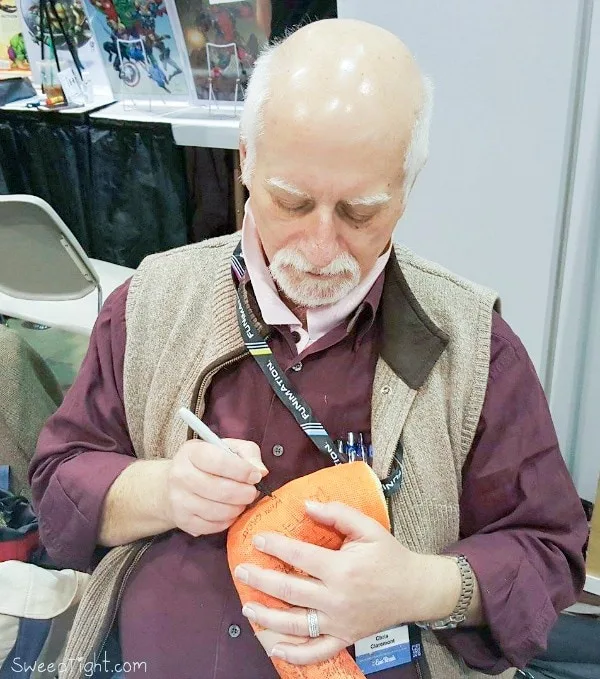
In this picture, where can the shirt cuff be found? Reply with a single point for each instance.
(71, 508)
(517, 608)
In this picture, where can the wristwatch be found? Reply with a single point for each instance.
(459, 614)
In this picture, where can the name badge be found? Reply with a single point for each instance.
(389, 648)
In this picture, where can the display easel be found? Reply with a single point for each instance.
(130, 74)
(233, 69)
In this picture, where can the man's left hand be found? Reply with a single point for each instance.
(372, 583)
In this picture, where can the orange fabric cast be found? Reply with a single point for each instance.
(354, 484)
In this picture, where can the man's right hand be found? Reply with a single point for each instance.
(207, 488)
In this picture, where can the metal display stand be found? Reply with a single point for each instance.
(215, 73)
(130, 72)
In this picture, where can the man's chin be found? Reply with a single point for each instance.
(313, 296)
(314, 301)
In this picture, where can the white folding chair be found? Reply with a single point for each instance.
(45, 276)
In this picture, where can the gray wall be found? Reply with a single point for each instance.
(487, 205)
(493, 202)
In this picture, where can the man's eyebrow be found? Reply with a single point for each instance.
(370, 201)
(375, 200)
(281, 184)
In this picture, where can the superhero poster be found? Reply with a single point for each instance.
(67, 17)
(222, 41)
(13, 55)
(139, 51)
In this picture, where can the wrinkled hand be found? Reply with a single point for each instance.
(372, 583)
(207, 488)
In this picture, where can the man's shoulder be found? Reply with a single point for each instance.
(420, 271)
(208, 251)
(506, 350)
(168, 280)
(457, 306)
(196, 264)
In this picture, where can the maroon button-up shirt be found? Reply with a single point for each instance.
(522, 526)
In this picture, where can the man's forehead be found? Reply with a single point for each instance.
(369, 199)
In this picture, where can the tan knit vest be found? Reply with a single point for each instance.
(181, 324)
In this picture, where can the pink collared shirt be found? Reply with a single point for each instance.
(320, 320)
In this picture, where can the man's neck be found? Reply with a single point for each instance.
(299, 311)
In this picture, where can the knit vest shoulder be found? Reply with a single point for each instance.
(182, 327)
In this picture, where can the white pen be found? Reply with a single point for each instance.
(196, 425)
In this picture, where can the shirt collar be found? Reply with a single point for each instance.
(366, 312)
(411, 343)
(365, 297)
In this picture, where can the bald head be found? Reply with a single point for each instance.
(331, 72)
(339, 81)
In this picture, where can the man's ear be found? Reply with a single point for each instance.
(243, 155)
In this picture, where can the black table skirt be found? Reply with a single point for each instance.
(124, 189)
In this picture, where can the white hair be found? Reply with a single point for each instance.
(258, 93)
(255, 99)
(418, 149)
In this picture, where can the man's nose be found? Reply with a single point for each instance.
(322, 243)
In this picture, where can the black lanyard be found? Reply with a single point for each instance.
(298, 407)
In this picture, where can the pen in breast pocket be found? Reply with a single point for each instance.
(196, 425)
(362, 448)
(341, 451)
(351, 447)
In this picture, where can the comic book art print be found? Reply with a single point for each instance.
(138, 48)
(13, 55)
(68, 16)
(222, 41)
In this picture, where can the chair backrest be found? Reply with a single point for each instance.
(39, 256)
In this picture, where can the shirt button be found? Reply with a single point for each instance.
(278, 450)
(234, 631)
(298, 367)
(296, 336)
(386, 390)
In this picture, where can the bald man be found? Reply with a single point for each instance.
(369, 348)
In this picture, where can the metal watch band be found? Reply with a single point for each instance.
(459, 614)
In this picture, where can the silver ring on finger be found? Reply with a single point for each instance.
(312, 618)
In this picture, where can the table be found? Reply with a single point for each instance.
(98, 103)
(191, 127)
(127, 180)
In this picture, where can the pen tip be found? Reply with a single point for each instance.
(261, 488)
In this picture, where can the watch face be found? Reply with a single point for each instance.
(443, 624)
(447, 623)
(437, 625)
